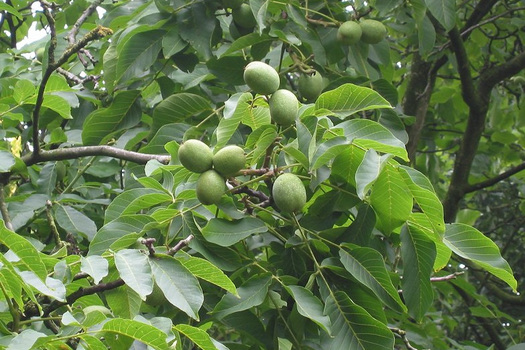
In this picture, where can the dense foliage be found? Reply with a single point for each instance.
(409, 147)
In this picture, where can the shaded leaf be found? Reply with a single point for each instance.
(310, 306)
(196, 335)
(134, 200)
(226, 233)
(75, 221)
(177, 108)
(142, 332)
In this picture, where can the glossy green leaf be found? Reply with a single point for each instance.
(134, 269)
(226, 233)
(75, 221)
(12, 283)
(177, 108)
(10, 9)
(172, 42)
(444, 11)
(205, 270)
(327, 151)
(123, 113)
(420, 222)
(142, 332)
(234, 110)
(252, 293)
(368, 267)
(310, 306)
(51, 287)
(178, 284)
(425, 197)
(95, 266)
(349, 99)
(367, 172)
(391, 199)
(25, 339)
(246, 41)
(370, 134)
(7, 160)
(353, 328)
(196, 335)
(135, 200)
(112, 231)
(418, 253)
(138, 54)
(90, 342)
(24, 250)
(473, 245)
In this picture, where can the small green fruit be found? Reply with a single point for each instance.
(39, 53)
(229, 160)
(284, 107)
(310, 86)
(61, 170)
(349, 33)
(195, 156)
(373, 31)
(243, 16)
(232, 3)
(261, 78)
(289, 193)
(210, 187)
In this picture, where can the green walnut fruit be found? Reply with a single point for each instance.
(261, 77)
(232, 3)
(229, 160)
(243, 16)
(210, 187)
(288, 193)
(349, 33)
(195, 156)
(373, 31)
(284, 107)
(39, 53)
(310, 85)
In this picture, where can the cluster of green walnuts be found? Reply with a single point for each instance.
(368, 31)
(288, 191)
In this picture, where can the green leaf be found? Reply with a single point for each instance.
(471, 244)
(310, 306)
(177, 108)
(24, 250)
(420, 222)
(444, 11)
(226, 233)
(178, 284)
(252, 293)
(138, 54)
(112, 231)
(7, 160)
(172, 42)
(425, 197)
(370, 134)
(367, 172)
(418, 253)
(134, 269)
(123, 113)
(327, 151)
(90, 342)
(390, 199)
(205, 270)
(52, 287)
(142, 332)
(229, 69)
(368, 267)
(234, 110)
(349, 99)
(198, 28)
(25, 340)
(75, 221)
(95, 266)
(133, 201)
(353, 328)
(196, 335)
(11, 10)
(247, 41)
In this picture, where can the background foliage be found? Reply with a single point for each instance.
(412, 158)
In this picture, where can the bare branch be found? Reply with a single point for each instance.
(181, 244)
(88, 12)
(495, 179)
(446, 278)
(83, 151)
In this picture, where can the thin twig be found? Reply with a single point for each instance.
(403, 335)
(447, 277)
(181, 244)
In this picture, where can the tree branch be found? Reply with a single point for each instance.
(494, 75)
(492, 181)
(88, 12)
(83, 151)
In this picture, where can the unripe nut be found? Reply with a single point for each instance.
(310, 85)
(261, 78)
(288, 193)
(243, 16)
(349, 33)
(195, 156)
(373, 31)
(284, 107)
(210, 187)
(229, 160)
